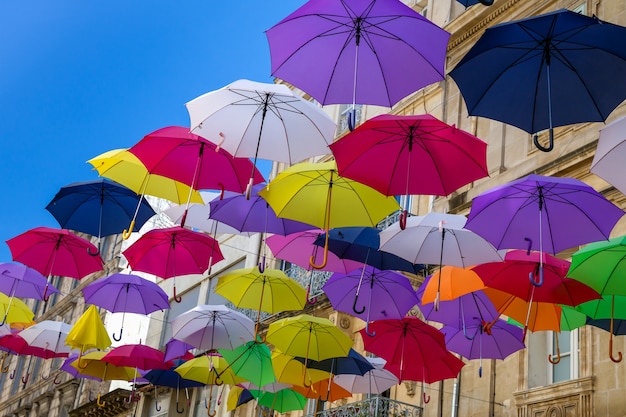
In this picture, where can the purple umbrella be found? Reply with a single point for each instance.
(175, 349)
(495, 341)
(253, 215)
(18, 280)
(355, 51)
(542, 213)
(126, 293)
(386, 294)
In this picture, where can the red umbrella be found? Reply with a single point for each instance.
(410, 346)
(173, 251)
(445, 367)
(402, 155)
(55, 252)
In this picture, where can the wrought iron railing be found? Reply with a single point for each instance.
(306, 277)
(373, 407)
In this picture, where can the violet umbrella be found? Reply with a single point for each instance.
(55, 252)
(541, 213)
(126, 293)
(177, 349)
(173, 251)
(385, 294)
(353, 51)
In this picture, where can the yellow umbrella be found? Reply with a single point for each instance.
(314, 193)
(15, 309)
(271, 290)
(125, 168)
(288, 370)
(209, 370)
(88, 333)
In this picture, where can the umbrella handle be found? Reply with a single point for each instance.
(45, 296)
(219, 144)
(12, 374)
(619, 354)
(558, 352)
(262, 265)
(211, 413)
(157, 406)
(356, 298)
(532, 277)
(325, 259)
(56, 380)
(550, 142)
(426, 397)
(120, 338)
(126, 233)
(4, 369)
(248, 192)
(402, 219)
(80, 356)
(25, 378)
(530, 245)
(351, 119)
(96, 253)
(308, 294)
(367, 330)
(100, 403)
(89, 396)
(176, 297)
(179, 411)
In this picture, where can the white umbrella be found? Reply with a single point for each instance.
(375, 381)
(49, 335)
(259, 120)
(608, 161)
(213, 327)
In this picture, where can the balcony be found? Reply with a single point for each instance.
(376, 406)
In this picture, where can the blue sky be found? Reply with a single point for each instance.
(78, 78)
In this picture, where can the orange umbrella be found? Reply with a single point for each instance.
(325, 390)
(453, 282)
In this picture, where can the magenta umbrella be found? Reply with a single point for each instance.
(403, 155)
(55, 252)
(173, 251)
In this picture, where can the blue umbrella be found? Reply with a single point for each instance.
(353, 364)
(361, 244)
(546, 71)
(468, 3)
(100, 208)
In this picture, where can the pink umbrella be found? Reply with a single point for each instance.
(55, 252)
(173, 251)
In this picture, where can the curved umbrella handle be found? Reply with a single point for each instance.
(56, 380)
(530, 245)
(12, 374)
(248, 192)
(211, 413)
(157, 406)
(402, 219)
(533, 277)
(308, 294)
(367, 330)
(218, 381)
(45, 297)
(356, 298)
(219, 144)
(324, 260)
(177, 297)
(100, 403)
(262, 265)
(351, 119)
(126, 233)
(25, 378)
(260, 338)
(619, 354)
(426, 397)
(222, 190)
(550, 142)
(179, 411)
(480, 371)
(96, 253)
(80, 356)
(120, 338)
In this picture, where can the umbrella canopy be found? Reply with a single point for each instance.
(537, 213)
(282, 401)
(170, 378)
(383, 294)
(435, 369)
(308, 337)
(176, 153)
(66, 366)
(48, 335)
(213, 327)
(601, 265)
(461, 311)
(252, 214)
(535, 276)
(534, 315)
(125, 168)
(361, 244)
(349, 51)
(14, 310)
(251, 361)
(172, 252)
(18, 280)
(17, 345)
(209, 370)
(55, 252)
(611, 151)
(92, 364)
(88, 332)
(177, 349)
(545, 71)
(237, 396)
(136, 356)
(259, 120)
(99, 207)
(289, 370)
(412, 155)
(324, 390)
(375, 381)
(354, 363)
(452, 282)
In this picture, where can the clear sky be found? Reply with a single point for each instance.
(78, 78)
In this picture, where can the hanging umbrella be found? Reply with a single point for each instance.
(384, 294)
(452, 282)
(347, 51)
(251, 361)
(412, 155)
(177, 349)
(237, 396)
(213, 327)
(209, 369)
(99, 207)
(270, 290)
(324, 390)
(282, 401)
(48, 335)
(258, 120)
(361, 244)
(314, 193)
(138, 356)
(601, 265)
(18, 280)
(173, 251)
(354, 363)
(468, 3)
(14, 310)
(611, 307)
(375, 381)
(126, 293)
(55, 252)
(437, 369)
(66, 366)
(537, 213)
(88, 333)
(289, 370)
(545, 71)
(607, 161)
(170, 378)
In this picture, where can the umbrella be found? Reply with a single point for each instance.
(177, 349)
(88, 333)
(260, 120)
(453, 282)
(545, 71)
(412, 155)
(361, 244)
(609, 307)
(14, 310)
(173, 251)
(607, 161)
(55, 252)
(126, 293)
(170, 378)
(136, 356)
(324, 390)
(208, 369)
(468, 3)
(271, 290)
(282, 401)
(18, 280)
(99, 207)
(375, 381)
(253, 214)
(354, 364)
(537, 213)
(251, 361)
(49, 335)
(237, 396)
(66, 366)
(289, 370)
(314, 193)
(435, 369)
(385, 294)
(213, 327)
(350, 51)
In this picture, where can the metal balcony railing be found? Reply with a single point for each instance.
(373, 407)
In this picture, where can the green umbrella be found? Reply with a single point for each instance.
(602, 266)
(282, 401)
(608, 307)
(251, 361)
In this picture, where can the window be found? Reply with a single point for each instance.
(541, 372)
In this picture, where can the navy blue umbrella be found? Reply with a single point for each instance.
(546, 71)
(100, 207)
(353, 364)
(361, 244)
(468, 3)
